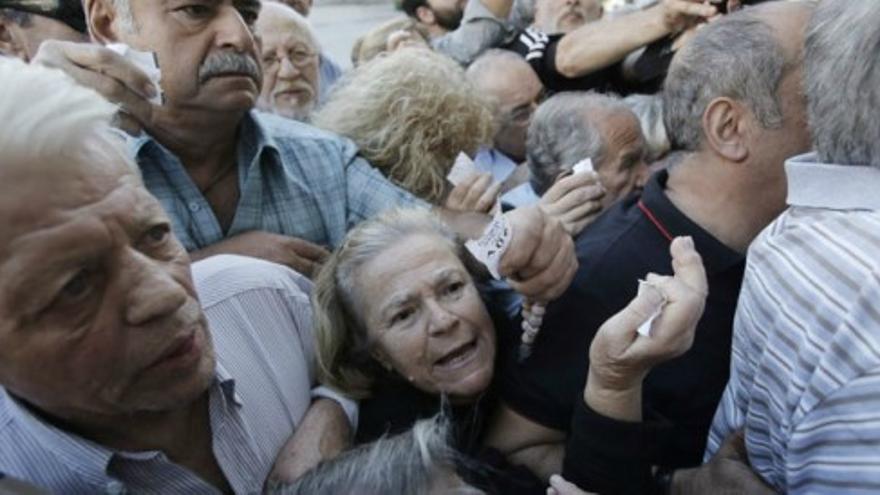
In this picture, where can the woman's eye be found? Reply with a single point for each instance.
(401, 316)
(454, 288)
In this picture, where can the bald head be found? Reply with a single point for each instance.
(515, 90)
(290, 62)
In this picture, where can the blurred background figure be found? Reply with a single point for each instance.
(649, 111)
(25, 24)
(515, 92)
(290, 59)
(389, 36)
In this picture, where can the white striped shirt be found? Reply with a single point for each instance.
(260, 320)
(805, 370)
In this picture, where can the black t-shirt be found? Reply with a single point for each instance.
(621, 247)
(539, 50)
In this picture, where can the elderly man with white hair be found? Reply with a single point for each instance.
(121, 370)
(291, 57)
(805, 375)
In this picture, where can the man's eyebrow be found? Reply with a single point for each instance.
(253, 4)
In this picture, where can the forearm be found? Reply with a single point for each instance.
(617, 404)
(597, 45)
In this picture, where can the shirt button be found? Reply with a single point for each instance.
(114, 488)
(194, 207)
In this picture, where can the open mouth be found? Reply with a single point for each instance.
(457, 357)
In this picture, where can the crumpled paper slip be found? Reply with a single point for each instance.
(490, 247)
(462, 168)
(146, 62)
(645, 328)
(585, 165)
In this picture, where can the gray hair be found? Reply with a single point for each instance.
(410, 462)
(737, 57)
(842, 81)
(343, 349)
(490, 63)
(561, 134)
(123, 13)
(649, 110)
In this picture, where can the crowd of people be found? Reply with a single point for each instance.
(522, 246)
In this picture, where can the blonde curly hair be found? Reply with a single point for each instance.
(411, 112)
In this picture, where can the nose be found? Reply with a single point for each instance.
(232, 31)
(287, 69)
(152, 293)
(441, 320)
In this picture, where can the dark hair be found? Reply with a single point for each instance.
(410, 7)
(69, 12)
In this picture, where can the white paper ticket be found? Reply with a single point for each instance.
(462, 168)
(661, 300)
(585, 165)
(490, 247)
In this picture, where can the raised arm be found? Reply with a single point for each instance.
(597, 45)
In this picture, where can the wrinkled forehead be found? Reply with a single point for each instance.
(279, 23)
(43, 193)
(620, 128)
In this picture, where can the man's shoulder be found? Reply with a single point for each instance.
(220, 278)
(290, 134)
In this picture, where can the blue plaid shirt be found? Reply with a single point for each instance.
(294, 180)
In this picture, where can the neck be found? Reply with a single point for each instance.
(709, 192)
(434, 30)
(202, 141)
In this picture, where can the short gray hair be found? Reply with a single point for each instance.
(343, 349)
(123, 13)
(842, 81)
(737, 57)
(649, 110)
(561, 134)
(489, 64)
(406, 463)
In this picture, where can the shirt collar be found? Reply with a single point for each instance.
(88, 459)
(813, 184)
(254, 138)
(716, 256)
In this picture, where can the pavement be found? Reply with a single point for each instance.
(338, 26)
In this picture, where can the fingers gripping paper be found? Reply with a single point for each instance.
(461, 169)
(145, 61)
(660, 302)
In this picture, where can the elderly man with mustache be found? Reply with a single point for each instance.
(238, 182)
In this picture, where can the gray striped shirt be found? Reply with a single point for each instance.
(260, 321)
(805, 371)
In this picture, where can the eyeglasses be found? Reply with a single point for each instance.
(299, 57)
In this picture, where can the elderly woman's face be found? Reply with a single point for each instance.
(426, 319)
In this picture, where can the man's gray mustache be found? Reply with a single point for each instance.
(223, 63)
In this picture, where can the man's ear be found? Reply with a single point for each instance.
(725, 128)
(12, 43)
(103, 25)
(425, 15)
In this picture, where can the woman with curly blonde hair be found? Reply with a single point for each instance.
(411, 112)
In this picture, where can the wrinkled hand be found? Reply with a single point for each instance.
(728, 472)
(476, 192)
(559, 486)
(540, 260)
(681, 14)
(323, 434)
(301, 255)
(619, 356)
(108, 73)
(574, 200)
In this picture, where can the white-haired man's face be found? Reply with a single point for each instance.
(206, 50)
(98, 313)
(290, 63)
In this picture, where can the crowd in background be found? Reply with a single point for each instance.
(521, 246)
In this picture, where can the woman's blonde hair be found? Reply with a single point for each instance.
(343, 348)
(411, 113)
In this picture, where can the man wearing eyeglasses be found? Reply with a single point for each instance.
(25, 24)
(290, 63)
